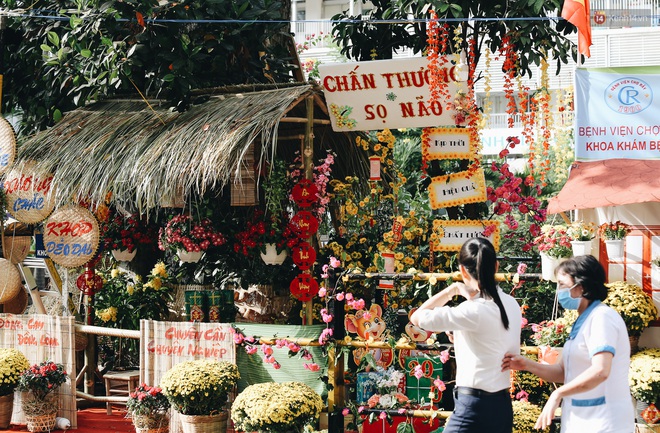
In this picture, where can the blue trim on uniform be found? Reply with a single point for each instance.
(588, 402)
(604, 348)
(581, 318)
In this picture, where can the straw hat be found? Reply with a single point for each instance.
(71, 236)
(17, 304)
(10, 280)
(7, 145)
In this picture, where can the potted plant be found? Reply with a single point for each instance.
(276, 408)
(644, 380)
(554, 244)
(149, 409)
(188, 238)
(581, 235)
(550, 335)
(121, 234)
(39, 402)
(12, 364)
(613, 235)
(198, 391)
(634, 306)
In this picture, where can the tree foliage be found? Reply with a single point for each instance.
(532, 39)
(61, 54)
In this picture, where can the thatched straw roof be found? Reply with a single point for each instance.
(142, 152)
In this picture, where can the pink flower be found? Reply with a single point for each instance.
(293, 347)
(361, 409)
(340, 296)
(522, 396)
(276, 365)
(322, 292)
(334, 262)
(418, 372)
(382, 415)
(349, 296)
(251, 350)
(439, 384)
(312, 367)
(345, 411)
(238, 338)
(522, 268)
(266, 349)
(444, 356)
(401, 410)
(524, 322)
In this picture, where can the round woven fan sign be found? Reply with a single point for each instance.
(30, 196)
(71, 236)
(10, 281)
(7, 145)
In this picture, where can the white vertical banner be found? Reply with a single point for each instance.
(616, 113)
(44, 338)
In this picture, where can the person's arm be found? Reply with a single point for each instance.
(547, 372)
(601, 365)
(440, 299)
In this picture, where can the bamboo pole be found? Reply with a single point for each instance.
(308, 166)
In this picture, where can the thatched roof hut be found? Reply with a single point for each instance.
(143, 151)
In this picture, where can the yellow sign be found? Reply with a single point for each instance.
(457, 188)
(447, 143)
(450, 235)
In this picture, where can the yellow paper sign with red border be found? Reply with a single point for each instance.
(450, 235)
(457, 188)
(447, 143)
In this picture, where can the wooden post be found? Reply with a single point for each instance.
(308, 167)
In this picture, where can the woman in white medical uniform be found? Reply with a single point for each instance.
(595, 396)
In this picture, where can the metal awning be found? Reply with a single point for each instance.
(611, 182)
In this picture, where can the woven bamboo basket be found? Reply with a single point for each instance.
(75, 216)
(80, 341)
(18, 304)
(6, 409)
(41, 423)
(10, 281)
(204, 423)
(151, 424)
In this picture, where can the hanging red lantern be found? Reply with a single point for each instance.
(305, 193)
(304, 287)
(88, 282)
(305, 223)
(304, 256)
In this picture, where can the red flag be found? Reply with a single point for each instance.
(576, 12)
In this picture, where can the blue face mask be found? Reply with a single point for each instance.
(566, 300)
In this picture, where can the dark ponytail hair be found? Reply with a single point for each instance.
(480, 261)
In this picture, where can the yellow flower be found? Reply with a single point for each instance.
(130, 288)
(114, 273)
(159, 270)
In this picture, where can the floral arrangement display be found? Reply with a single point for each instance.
(260, 230)
(554, 333)
(321, 175)
(387, 383)
(124, 232)
(615, 230)
(554, 241)
(644, 376)
(525, 415)
(125, 299)
(184, 233)
(199, 387)
(276, 408)
(42, 379)
(12, 364)
(633, 305)
(148, 407)
(581, 231)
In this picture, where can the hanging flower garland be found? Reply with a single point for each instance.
(509, 68)
(546, 122)
(509, 197)
(437, 38)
